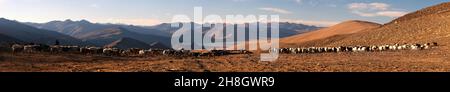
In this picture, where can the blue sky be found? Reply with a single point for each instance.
(151, 12)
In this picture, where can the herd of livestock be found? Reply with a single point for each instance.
(33, 48)
(387, 47)
(17, 48)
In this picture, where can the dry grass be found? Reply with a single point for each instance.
(397, 61)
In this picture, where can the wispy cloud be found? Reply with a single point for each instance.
(299, 1)
(371, 6)
(94, 6)
(374, 10)
(321, 23)
(391, 13)
(276, 10)
(316, 3)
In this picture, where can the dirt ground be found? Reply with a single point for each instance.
(433, 60)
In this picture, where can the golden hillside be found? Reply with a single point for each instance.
(427, 25)
(348, 27)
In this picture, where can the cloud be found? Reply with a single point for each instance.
(364, 14)
(379, 6)
(391, 13)
(371, 6)
(374, 10)
(299, 1)
(276, 10)
(316, 3)
(320, 23)
(94, 5)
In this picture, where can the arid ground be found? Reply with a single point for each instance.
(432, 60)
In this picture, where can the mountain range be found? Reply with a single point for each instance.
(84, 33)
(77, 28)
(31, 34)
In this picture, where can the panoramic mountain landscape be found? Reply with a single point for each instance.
(414, 41)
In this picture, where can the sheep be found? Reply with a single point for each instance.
(131, 51)
(70, 48)
(17, 48)
(55, 48)
(425, 46)
(112, 51)
(36, 48)
(415, 46)
(435, 44)
(91, 50)
(59, 49)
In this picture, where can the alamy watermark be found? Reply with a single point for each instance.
(261, 32)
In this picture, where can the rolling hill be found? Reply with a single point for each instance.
(107, 36)
(8, 39)
(430, 24)
(344, 28)
(290, 29)
(6, 42)
(126, 43)
(34, 35)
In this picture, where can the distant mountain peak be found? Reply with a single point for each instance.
(3, 19)
(84, 21)
(68, 20)
(7, 20)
